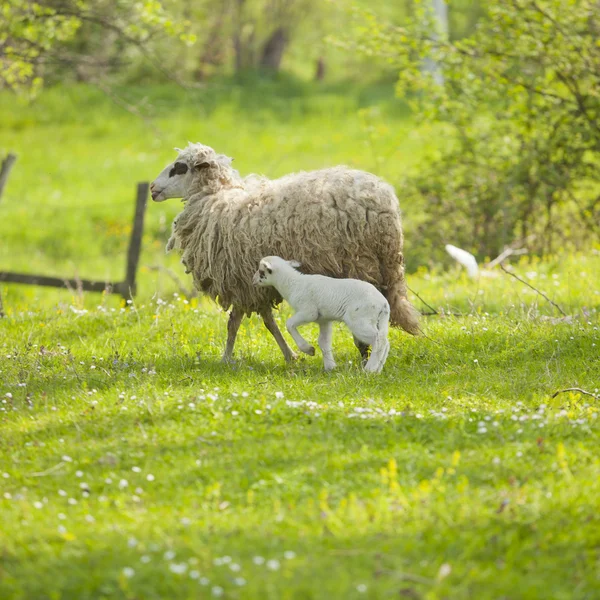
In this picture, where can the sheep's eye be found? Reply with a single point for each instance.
(179, 168)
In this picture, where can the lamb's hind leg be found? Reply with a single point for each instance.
(364, 349)
(235, 320)
(271, 325)
(366, 332)
(381, 348)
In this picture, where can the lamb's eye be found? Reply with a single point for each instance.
(179, 168)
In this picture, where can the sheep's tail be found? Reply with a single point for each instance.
(402, 312)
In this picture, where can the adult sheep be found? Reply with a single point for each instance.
(338, 222)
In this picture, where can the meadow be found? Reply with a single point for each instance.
(133, 464)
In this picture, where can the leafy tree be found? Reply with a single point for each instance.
(39, 37)
(518, 117)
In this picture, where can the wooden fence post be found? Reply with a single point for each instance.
(126, 288)
(135, 242)
(7, 164)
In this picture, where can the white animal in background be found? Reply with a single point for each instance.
(322, 300)
(466, 259)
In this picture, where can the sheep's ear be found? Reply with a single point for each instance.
(294, 263)
(267, 266)
(200, 165)
(224, 160)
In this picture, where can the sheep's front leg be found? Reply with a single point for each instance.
(235, 320)
(271, 325)
(292, 324)
(325, 337)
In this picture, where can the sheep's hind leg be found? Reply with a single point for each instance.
(367, 333)
(364, 349)
(292, 324)
(271, 325)
(325, 335)
(235, 320)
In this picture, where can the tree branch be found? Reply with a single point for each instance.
(534, 289)
(434, 312)
(576, 389)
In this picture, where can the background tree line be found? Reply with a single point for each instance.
(192, 40)
(510, 88)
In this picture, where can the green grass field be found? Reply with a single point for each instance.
(133, 464)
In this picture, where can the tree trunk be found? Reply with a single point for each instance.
(212, 53)
(273, 50)
(320, 69)
(440, 12)
(237, 37)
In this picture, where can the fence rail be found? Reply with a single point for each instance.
(126, 288)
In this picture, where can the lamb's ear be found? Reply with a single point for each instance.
(294, 263)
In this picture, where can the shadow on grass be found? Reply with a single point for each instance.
(488, 555)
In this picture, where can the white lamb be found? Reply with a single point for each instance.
(322, 300)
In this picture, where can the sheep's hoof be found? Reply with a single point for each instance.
(329, 368)
(310, 351)
(228, 360)
(291, 357)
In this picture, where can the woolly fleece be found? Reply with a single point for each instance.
(338, 222)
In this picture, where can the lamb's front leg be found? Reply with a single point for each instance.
(271, 325)
(235, 320)
(325, 337)
(292, 324)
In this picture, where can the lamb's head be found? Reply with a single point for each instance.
(269, 268)
(196, 168)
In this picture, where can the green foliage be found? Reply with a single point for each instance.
(519, 151)
(133, 462)
(38, 38)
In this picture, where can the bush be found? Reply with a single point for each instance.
(518, 101)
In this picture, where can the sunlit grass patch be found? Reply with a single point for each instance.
(135, 464)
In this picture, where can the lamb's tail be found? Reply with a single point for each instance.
(402, 312)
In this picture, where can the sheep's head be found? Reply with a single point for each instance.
(268, 269)
(195, 168)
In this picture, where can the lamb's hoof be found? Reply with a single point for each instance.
(228, 360)
(310, 351)
(329, 368)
